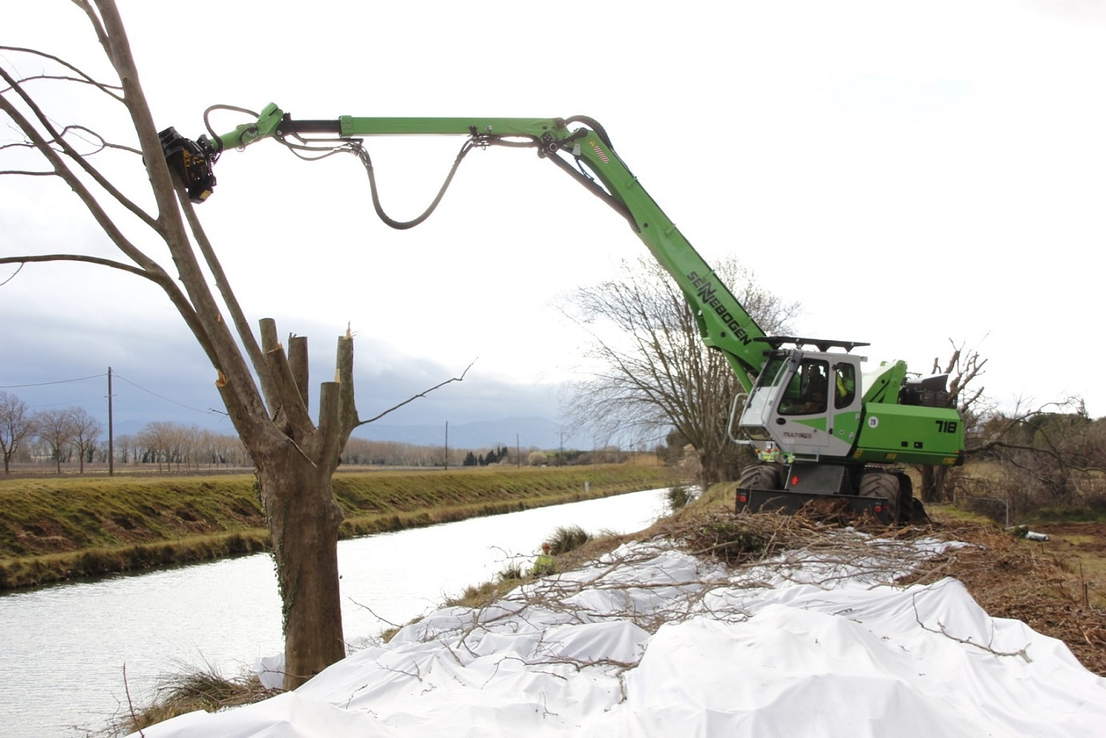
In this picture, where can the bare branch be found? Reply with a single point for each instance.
(98, 27)
(130, 704)
(159, 277)
(61, 78)
(21, 260)
(90, 202)
(13, 275)
(237, 385)
(27, 173)
(108, 89)
(241, 325)
(412, 398)
(101, 143)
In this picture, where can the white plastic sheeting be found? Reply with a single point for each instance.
(649, 641)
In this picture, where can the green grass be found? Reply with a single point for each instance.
(59, 529)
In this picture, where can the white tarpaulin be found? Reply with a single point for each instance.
(649, 641)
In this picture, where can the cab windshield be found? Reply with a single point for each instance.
(772, 372)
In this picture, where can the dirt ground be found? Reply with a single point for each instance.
(1081, 548)
(1039, 583)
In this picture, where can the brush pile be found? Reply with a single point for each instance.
(709, 624)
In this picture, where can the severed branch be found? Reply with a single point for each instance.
(376, 615)
(285, 400)
(940, 630)
(130, 703)
(412, 398)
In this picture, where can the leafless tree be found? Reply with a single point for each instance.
(965, 367)
(15, 426)
(86, 431)
(124, 447)
(156, 440)
(55, 428)
(263, 383)
(657, 373)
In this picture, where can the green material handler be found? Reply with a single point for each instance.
(823, 428)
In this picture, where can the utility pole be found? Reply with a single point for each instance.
(561, 456)
(446, 446)
(111, 432)
(518, 454)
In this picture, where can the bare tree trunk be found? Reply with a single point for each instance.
(294, 457)
(303, 520)
(933, 484)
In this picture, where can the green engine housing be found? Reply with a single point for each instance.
(909, 434)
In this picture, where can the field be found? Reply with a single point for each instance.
(58, 529)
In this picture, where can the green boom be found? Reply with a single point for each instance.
(722, 321)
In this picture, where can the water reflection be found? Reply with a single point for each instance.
(62, 649)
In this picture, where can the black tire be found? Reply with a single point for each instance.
(906, 499)
(761, 476)
(885, 486)
(918, 512)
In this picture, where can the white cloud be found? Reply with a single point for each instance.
(910, 172)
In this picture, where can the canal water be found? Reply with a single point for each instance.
(63, 649)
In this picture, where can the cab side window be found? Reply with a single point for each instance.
(844, 380)
(806, 393)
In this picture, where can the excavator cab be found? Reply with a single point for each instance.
(807, 402)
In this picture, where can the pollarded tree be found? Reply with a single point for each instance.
(657, 373)
(16, 426)
(262, 383)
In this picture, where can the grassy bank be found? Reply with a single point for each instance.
(59, 529)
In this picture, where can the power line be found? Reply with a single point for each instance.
(208, 411)
(57, 381)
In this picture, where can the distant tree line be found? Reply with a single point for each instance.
(72, 436)
(68, 435)
(491, 457)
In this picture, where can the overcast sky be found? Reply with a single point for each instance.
(909, 172)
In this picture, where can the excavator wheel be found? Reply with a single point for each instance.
(761, 476)
(882, 484)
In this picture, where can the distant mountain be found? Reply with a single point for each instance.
(539, 432)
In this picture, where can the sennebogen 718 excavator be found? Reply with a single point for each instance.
(823, 428)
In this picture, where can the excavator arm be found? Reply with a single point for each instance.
(584, 152)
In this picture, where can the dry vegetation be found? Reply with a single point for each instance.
(186, 692)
